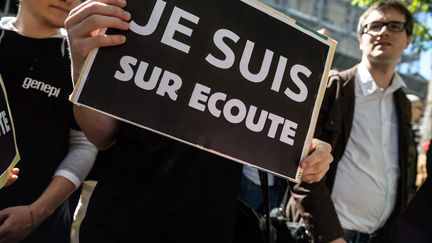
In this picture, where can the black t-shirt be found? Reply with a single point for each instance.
(37, 77)
(160, 190)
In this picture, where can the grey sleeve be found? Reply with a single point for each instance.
(79, 159)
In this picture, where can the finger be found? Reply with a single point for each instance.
(318, 168)
(83, 11)
(88, 26)
(118, 3)
(15, 171)
(12, 178)
(315, 177)
(317, 172)
(320, 150)
(311, 178)
(84, 46)
(83, 38)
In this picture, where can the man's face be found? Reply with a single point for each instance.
(380, 42)
(50, 12)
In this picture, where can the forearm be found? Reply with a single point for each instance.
(19, 221)
(54, 195)
(99, 128)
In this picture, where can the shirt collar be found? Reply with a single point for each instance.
(368, 85)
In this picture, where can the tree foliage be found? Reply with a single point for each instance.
(422, 38)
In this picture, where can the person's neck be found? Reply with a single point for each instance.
(28, 26)
(382, 73)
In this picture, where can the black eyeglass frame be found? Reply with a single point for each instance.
(388, 24)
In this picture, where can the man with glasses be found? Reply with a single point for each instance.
(366, 116)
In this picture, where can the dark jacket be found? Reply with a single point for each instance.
(313, 202)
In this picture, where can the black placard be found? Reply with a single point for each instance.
(235, 78)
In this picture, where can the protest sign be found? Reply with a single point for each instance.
(9, 155)
(235, 78)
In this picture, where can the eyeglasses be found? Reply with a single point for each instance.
(376, 27)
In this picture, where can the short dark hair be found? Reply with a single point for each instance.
(382, 6)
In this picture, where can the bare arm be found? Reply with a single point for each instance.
(57, 191)
(20, 221)
(100, 129)
(83, 26)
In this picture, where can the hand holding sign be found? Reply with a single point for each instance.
(317, 163)
(82, 42)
